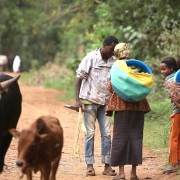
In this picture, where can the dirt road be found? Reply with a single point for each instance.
(38, 101)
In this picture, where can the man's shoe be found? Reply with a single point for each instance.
(90, 170)
(108, 171)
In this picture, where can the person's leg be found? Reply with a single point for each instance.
(174, 156)
(174, 145)
(89, 123)
(120, 175)
(105, 129)
(133, 172)
(178, 149)
(121, 172)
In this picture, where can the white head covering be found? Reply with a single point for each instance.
(122, 51)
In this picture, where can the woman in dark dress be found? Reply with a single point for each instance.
(128, 127)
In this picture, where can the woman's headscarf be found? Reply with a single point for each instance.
(121, 51)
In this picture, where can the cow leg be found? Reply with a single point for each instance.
(55, 165)
(29, 175)
(4, 144)
(45, 172)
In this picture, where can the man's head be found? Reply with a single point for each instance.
(108, 47)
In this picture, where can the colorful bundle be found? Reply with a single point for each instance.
(173, 89)
(132, 80)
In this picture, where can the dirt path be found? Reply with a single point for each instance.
(38, 101)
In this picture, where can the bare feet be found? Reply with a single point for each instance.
(121, 174)
(133, 173)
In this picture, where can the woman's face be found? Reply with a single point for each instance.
(165, 71)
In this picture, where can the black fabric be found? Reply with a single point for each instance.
(127, 138)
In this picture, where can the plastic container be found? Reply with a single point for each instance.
(177, 76)
(129, 85)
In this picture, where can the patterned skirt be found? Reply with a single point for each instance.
(127, 138)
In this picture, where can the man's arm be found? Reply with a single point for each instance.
(77, 91)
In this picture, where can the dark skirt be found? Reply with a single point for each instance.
(127, 138)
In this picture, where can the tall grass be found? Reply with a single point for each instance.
(157, 125)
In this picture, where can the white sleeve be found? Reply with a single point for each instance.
(84, 67)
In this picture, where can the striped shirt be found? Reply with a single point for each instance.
(95, 75)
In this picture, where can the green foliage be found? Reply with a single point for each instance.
(64, 31)
(26, 32)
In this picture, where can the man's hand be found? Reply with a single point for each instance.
(78, 103)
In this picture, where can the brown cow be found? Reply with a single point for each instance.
(40, 147)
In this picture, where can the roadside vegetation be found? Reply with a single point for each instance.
(52, 76)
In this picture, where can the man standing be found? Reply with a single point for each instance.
(92, 77)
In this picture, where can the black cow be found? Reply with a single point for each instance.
(10, 111)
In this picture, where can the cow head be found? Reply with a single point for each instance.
(28, 147)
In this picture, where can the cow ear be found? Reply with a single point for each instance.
(15, 133)
(40, 125)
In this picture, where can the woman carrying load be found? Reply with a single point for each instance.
(128, 126)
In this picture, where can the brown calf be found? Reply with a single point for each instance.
(40, 147)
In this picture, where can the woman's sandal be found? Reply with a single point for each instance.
(170, 169)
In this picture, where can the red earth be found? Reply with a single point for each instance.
(38, 101)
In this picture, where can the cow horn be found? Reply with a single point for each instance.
(7, 83)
